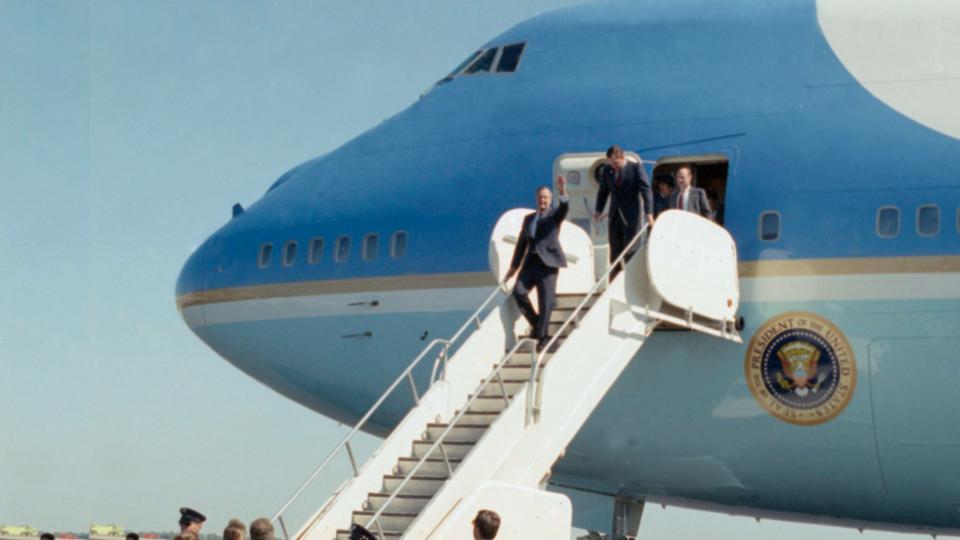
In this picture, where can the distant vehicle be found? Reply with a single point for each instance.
(18, 530)
(106, 530)
(66, 535)
(150, 536)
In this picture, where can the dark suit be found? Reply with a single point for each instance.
(698, 203)
(660, 203)
(538, 249)
(630, 199)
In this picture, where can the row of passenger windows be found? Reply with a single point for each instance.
(928, 221)
(888, 222)
(369, 250)
(888, 226)
(504, 59)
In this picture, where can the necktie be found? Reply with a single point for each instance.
(683, 197)
(618, 178)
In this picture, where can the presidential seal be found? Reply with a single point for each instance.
(801, 368)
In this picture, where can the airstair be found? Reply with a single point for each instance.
(498, 414)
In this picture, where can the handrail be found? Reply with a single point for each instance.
(453, 422)
(475, 317)
(406, 374)
(600, 281)
(538, 357)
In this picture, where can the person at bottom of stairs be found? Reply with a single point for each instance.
(486, 525)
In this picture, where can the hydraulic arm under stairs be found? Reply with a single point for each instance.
(489, 429)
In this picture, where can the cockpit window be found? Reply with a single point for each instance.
(456, 71)
(483, 63)
(510, 58)
(504, 59)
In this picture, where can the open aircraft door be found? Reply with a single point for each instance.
(580, 171)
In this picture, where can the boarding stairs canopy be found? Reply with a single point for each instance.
(492, 424)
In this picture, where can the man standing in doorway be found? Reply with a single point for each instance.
(538, 251)
(630, 196)
(687, 197)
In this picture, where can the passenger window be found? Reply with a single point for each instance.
(342, 251)
(928, 220)
(484, 63)
(316, 250)
(888, 221)
(510, 58)
(398, 245)
(289, 253)
(371, 244)
(770, 226)
(266, 253)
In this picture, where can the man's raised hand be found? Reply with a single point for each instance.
(561, 185)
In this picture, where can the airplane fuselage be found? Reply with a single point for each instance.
(773, 88)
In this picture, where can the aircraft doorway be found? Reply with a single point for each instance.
(582, 187)
(710, 172)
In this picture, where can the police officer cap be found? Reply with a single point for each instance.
(359, 533)
(189, 515)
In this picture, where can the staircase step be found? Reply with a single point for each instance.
(400, 503)
(430, 467)
(523, 355)
(562, 314)
(389, 521)
(454, 450)
(484, 418)
(512, 386)
(522, 358)
(555, 326)
(517, 372)
(459, 432)
(488, 403)
(387, 535)
(567, 301)
(418, 485)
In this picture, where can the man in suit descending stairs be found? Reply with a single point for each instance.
(540, 256)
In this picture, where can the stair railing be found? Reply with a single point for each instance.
(476, 318)
(495, 374)
(532, 407)
(445, 346)
(373, 523)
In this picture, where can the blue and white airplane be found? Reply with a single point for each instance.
(829, 130)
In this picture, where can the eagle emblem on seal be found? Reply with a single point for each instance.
(800, 372)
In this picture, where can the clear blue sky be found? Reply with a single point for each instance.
(127, 130)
